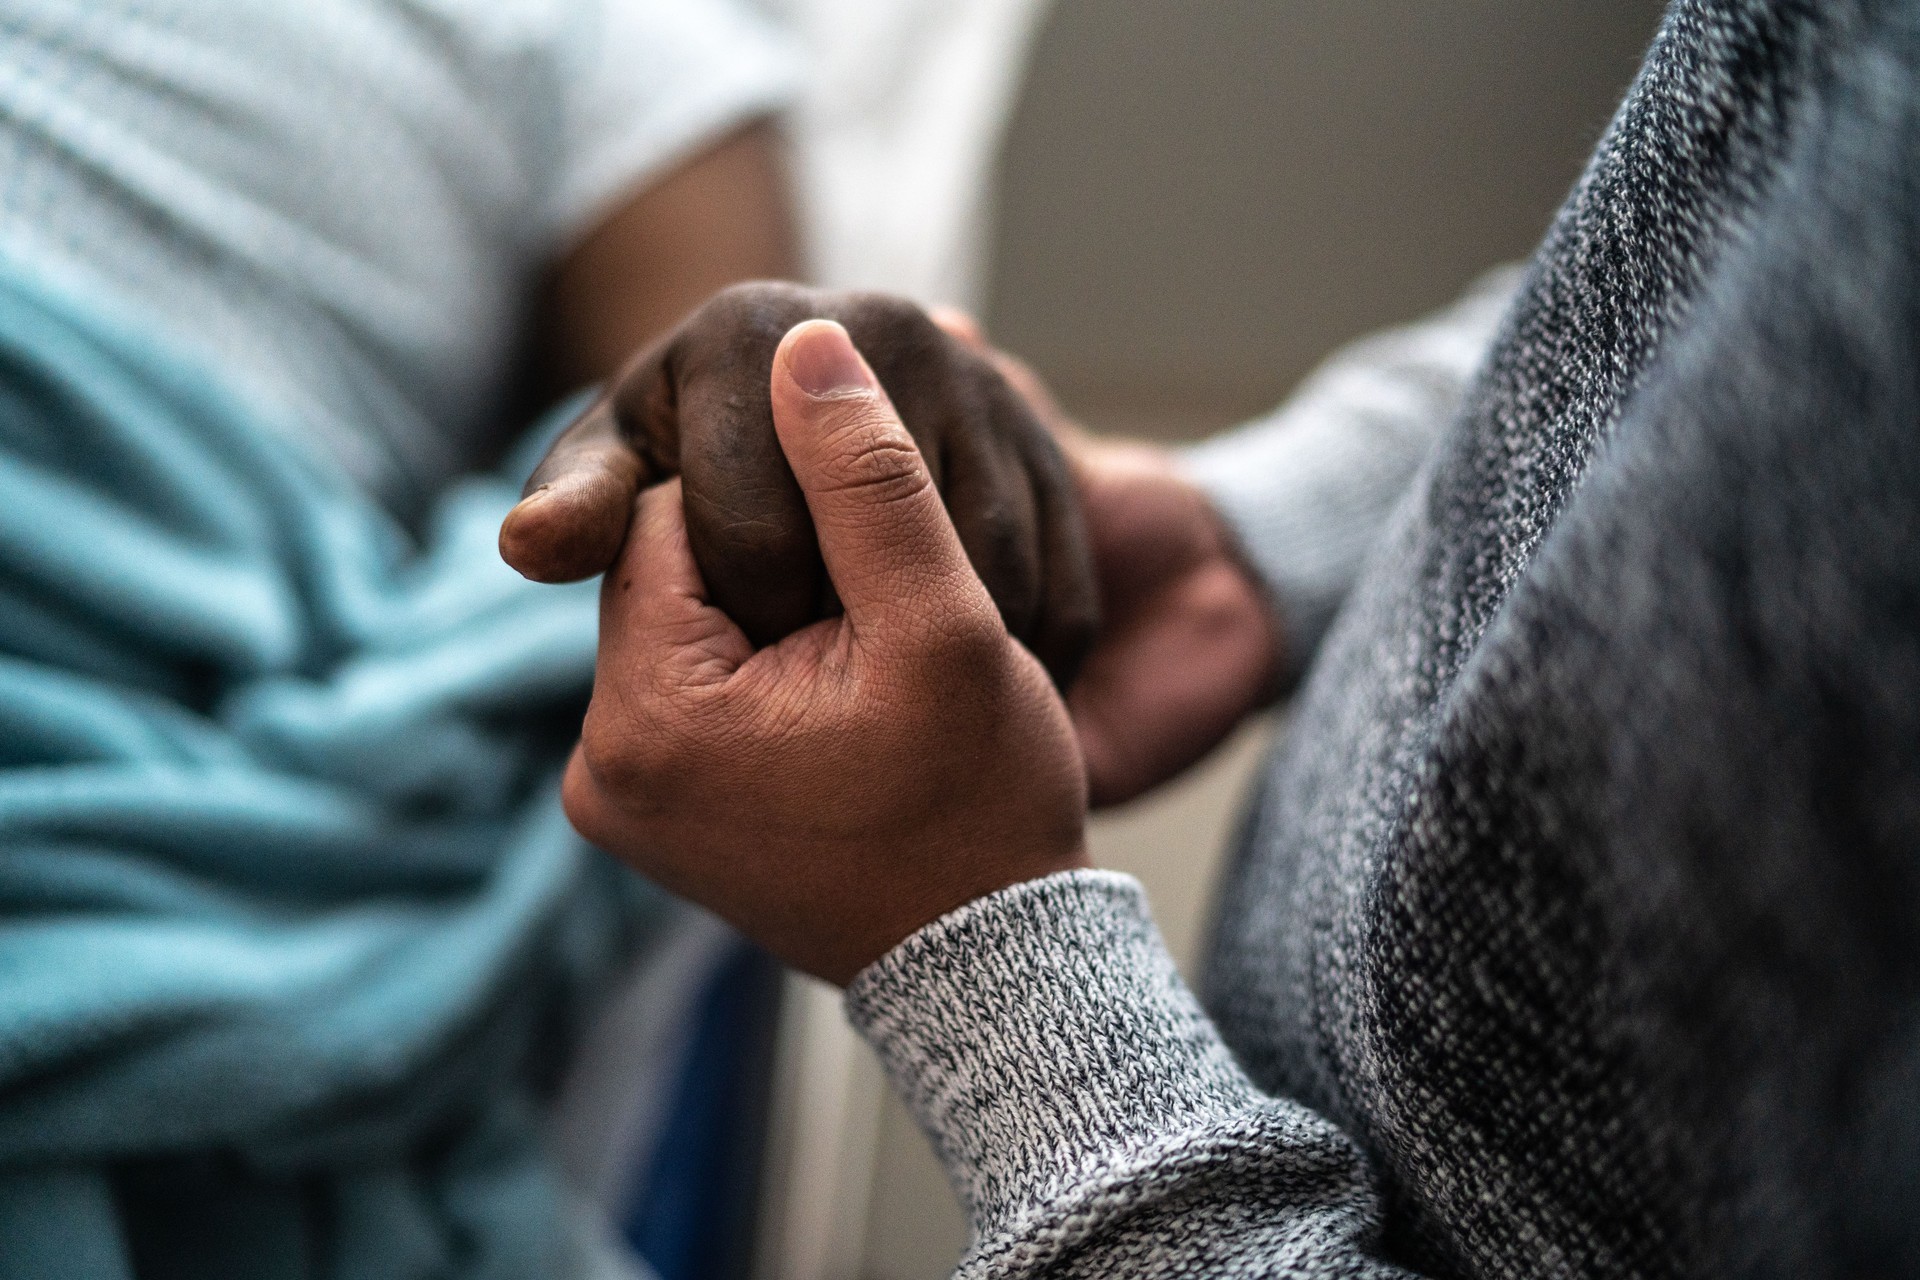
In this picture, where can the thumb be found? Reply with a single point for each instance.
(885, 536)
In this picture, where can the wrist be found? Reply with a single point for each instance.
(979, 878)
(1018, 1031)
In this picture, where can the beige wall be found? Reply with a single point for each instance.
(1200, 199)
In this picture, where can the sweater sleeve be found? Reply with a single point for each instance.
(1086, 1109)
(1307, 488)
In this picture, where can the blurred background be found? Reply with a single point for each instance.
(1181, 208)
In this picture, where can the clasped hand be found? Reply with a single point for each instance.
(832, 761)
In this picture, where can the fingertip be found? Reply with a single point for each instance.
(526, 542)
(564, 531)
(820, 359)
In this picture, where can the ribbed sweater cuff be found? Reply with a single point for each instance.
(1044, 1040)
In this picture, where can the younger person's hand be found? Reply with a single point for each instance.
(835, 791)
(696, 405)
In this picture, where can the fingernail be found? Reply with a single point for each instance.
(823, 361)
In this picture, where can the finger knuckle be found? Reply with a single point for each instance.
(998, 545)
(889, 311)
(872, 456)
(751, 297)
(998, 525)
(738, 328)
(633, 754)
(584, 807)
(896, 333)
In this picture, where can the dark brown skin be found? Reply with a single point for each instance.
(696, 404)
(833, 792)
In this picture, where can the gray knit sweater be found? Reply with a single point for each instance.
(1576, 926)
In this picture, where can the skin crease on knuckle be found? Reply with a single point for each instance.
(867, 454)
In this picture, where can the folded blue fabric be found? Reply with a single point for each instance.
(291, 926)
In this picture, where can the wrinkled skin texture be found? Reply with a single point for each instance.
(696, 405)
(832, 792)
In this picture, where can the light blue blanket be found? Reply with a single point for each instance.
(290, 923)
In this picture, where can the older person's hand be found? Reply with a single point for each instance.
(695, 405)
(835, 791)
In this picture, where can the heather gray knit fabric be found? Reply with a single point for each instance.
(1576, 927)
(1309, 488)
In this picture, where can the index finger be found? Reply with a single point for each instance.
(573, 518)
(655, 615)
